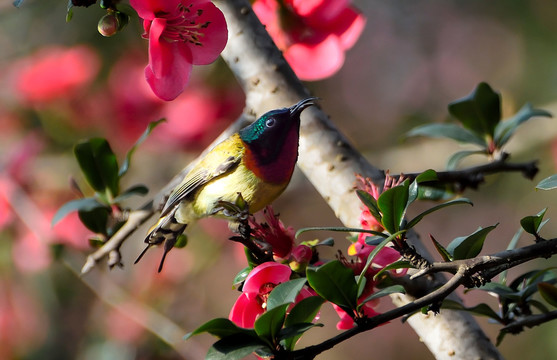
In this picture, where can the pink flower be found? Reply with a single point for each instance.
(257, 287)
(300, 258)
(313, 34)
(181, 33)
(56, 72)
(367, 220)
(274, 233)
(346, 322)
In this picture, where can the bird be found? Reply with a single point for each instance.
(256, 162)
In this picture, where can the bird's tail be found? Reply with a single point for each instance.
(166, 231)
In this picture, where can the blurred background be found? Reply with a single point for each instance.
(61, 82)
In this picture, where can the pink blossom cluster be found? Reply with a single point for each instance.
(290, 258)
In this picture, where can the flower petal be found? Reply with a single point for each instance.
(149, 9)
(169, 66)
(349, 26)
(213, 36)
(316, 61)
(269, 272)
(319, 10)
(245, 310)
(346, 322)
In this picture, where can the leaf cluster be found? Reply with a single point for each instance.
(481, 124)
(99, 167)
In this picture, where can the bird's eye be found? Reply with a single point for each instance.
(270, 122)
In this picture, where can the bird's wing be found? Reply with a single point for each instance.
(217, 162)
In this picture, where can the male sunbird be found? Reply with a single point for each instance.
(256, 162)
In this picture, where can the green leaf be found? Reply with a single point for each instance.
(295, 331)
(467, 247)
(85, 204)
(441, 249)
(285, 293)
(500, 337)
(392, 203)
(99, 165)
(436, 192)
(414, 189)
(371, 203)
(371, 256)
(548, 183)
(220, 328)
(532, 224)
(335, 283)
(505, 129)
(69, 11)
(303, 312)
(428, 175)
(418, 218)
(532, 285)
(126, 165)
(457, 157)
(235, 347)
(339, 229)
(384, 292)
(181, 241)
(538, 305)
(268, 324)
(241, 276)
(95, 219)
(401, 264)
(134, 190)
(499, 289)
(450, 131)
(327, 242)
(548, 292)
(480, 309)
(480, 111)
(511, 246)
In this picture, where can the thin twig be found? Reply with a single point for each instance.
(492, 265)
(529, 321)
(474, 176)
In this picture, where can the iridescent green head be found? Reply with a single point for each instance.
(267, 135)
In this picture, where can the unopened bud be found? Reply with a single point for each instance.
(108, 25)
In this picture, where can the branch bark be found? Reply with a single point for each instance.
(329, 161)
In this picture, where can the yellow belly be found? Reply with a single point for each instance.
(226, 188)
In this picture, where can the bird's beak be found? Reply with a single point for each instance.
(301, 105)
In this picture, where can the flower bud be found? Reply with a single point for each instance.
(108, 25)
(301, 256)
